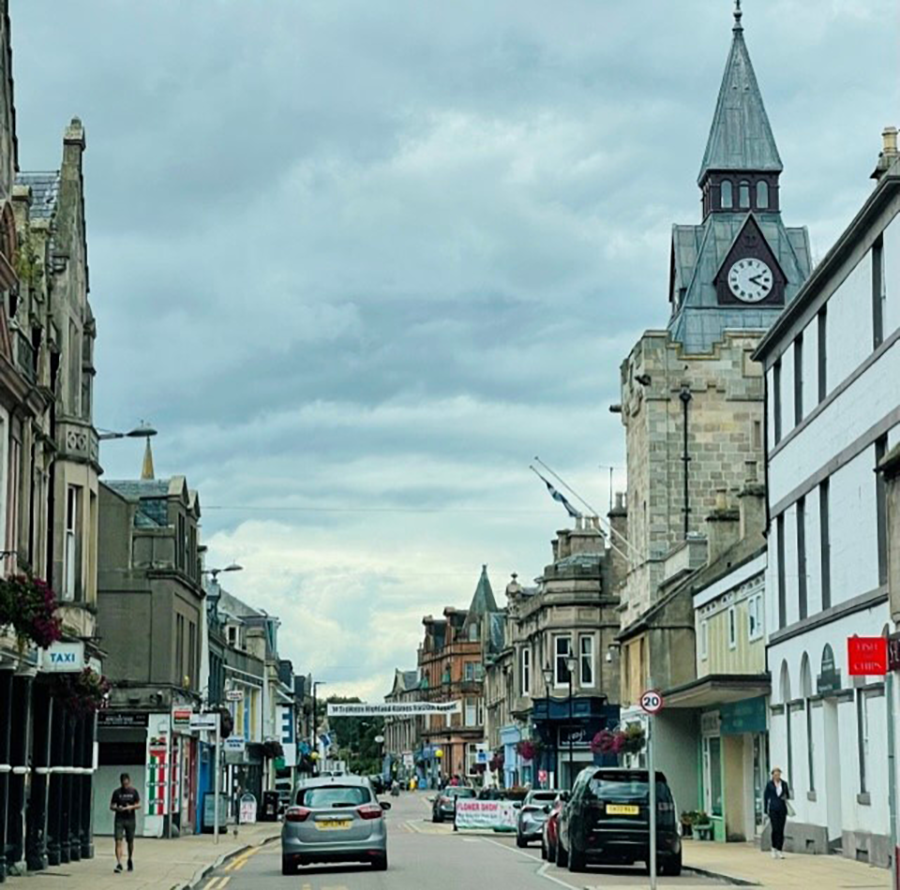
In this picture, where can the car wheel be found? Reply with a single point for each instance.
(520, 841)
(672, 866)
(435, 817)
(551, 853)
(379, 863)
(576, 861)
(288, 866)
(562, 859)
(544, 849)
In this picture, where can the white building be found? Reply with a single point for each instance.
(832, 364)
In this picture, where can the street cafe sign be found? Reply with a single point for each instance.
(867, 656)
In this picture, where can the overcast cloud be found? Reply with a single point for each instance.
(358, 262)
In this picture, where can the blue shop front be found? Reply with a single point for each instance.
(565, 730)
(513, 771)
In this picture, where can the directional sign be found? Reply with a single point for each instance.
(652, 701)
(234, 695)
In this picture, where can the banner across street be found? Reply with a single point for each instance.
(392, 709)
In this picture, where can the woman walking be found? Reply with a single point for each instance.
(775, 801)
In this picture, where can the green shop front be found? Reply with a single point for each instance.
(733, 751)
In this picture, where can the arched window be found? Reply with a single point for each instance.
(727, 194)
(745, 195)
(785, 690)
(786, 699)
(806, 691)
(762, 195)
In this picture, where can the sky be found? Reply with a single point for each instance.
(360, 262)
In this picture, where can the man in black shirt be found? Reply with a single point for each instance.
(125, 802)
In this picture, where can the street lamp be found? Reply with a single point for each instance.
(548, 685)
(141, 431)
(234, 567)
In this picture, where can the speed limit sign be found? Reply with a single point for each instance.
(652, 701)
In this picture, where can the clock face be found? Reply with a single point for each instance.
(750, 280)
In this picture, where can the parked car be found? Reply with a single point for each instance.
(335, 819)
(444, 804)
(551, 828)
(533, 814)
(378, 783)
(607, 820)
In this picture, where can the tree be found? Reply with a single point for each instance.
(354, 738)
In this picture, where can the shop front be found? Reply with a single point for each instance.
(514, 772)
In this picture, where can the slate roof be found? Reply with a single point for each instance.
(150, 495)
(410, 679)
(740, 137)
(698, 253)
(44, 192)
(483, 602)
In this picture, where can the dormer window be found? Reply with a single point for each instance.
(727, 194)
(745, 195)
(762, 195)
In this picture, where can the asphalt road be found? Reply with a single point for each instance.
(423, 856)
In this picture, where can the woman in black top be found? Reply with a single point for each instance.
(775, 801)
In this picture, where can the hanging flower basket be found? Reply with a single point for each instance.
(272, 749)
(84, 693)
(630, 740)
(28, 606)
(529, 750)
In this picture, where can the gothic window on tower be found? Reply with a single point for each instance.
(727, 194)
(744, 197)
(762, 195)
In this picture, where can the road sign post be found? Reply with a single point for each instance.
(652, 704)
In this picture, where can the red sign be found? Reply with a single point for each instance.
(867, 656)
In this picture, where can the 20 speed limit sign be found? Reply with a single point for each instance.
(652, 701)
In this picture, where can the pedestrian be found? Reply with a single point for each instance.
(124, 803)
(776, 803)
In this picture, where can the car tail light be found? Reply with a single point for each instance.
(370, 811)
(296, 814)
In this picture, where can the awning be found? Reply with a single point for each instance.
(717, 689)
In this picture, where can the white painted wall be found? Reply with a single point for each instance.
(892, 276)
(849, 323)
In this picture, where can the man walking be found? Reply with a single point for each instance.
(125, 802)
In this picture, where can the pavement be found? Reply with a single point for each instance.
(159, 864)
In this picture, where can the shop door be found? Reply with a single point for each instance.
(760, 777)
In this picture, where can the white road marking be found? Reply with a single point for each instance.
(542, 871)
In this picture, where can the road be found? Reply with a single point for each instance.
(432, 857)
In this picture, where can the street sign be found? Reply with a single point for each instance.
(181, 717)
(234, 695)
(204, 722)
(234, 744)
(651, 701)
(867, 656)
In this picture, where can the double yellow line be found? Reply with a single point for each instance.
(217, 883)
(235, 864)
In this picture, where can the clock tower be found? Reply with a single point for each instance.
(741, 265)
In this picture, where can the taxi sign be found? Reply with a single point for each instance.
(651, 701)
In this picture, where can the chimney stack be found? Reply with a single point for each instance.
(722, 527)
(889, 153)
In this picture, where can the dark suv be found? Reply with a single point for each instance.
(607, 820)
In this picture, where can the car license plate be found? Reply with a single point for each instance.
(334, 825)
(618, 809)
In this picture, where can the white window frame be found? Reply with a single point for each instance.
(469, 672)
(732, 627)
(70, 568)
(525, 675)
(559, 660)
(587, 659)
(704, 639)
(470, 706)
(756, 626)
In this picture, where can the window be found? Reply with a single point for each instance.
(782, 589)
(72, 573)
(822, 324)
(192, 652)
(727, 194)
(712, 763)
(233, 637)
(179, 647)
(881, 511)
(798, 379)
(587, 661)
(877, 293)
(471, 712)
(745, 195)
(825, 544)
(526, 671)
(862, 732)
(776, 399)
(801, 558)
(762, 195)
(755, 622)
(732, 627)
(563, 648)
(704, 639)
(470, 671)
(806, 689)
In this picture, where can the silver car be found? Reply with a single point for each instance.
(337, 819)
(533, 815)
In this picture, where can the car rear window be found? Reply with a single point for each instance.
(333, 796)
(626, 787)
(459, 792)
(544, 795)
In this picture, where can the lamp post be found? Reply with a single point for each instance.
(141, 431)
(234, 567)
(570, 670)
(548, 684)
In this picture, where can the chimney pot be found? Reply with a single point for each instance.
(890, 140)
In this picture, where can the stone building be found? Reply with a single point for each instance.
(451, 669)
(150, 580)
(402, 734)
(832, 365)
(692, 395)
